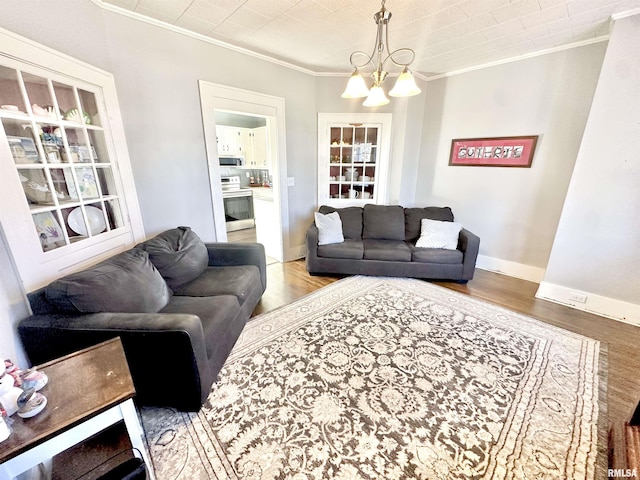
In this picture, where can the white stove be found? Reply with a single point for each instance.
(238, 204)
(231, 187)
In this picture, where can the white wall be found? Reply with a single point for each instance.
(157, 73)
(515, 211)
(597, 248)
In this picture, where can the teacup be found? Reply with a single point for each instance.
(353, 193)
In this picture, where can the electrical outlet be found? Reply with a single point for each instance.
(578, 297)
(247, 173)
(291, 182)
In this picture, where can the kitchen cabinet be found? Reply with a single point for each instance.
(255, 147)
(261, 151)
(229, 141)
(66, 190)
(353, 158)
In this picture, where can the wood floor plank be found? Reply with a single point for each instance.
(286, 282)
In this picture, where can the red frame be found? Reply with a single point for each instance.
(493, 152)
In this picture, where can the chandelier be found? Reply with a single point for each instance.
(405, 86)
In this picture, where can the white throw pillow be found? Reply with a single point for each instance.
(329, 228)
(436, 234)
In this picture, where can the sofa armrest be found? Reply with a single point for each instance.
(469, 243)
(229, 254)
(166, 353)
(312, 248)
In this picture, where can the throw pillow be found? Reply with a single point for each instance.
(351, 218)
(329, 228)
(179, 255)
(437, 234)
(127, 282)
(413, 218)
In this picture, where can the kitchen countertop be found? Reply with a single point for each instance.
(262, 193)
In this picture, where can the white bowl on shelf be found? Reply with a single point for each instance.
(95, 217)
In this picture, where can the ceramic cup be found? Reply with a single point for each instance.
(353, 193)
(366, 195)
(342, 178)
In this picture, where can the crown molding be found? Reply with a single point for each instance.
(626, 13)
(520, 57)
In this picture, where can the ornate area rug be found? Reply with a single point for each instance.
(385, 378)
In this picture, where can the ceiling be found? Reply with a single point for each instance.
(447, 35)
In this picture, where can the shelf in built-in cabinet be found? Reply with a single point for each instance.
(347, 182)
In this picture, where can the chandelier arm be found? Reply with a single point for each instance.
(400, 64)
(360, 65)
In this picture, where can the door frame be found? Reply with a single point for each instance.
(215, 96)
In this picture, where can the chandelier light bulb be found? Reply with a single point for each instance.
(376, 97)
(405, 85)
(356, 88)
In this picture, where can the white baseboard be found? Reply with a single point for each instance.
(294, 253)
(513, 269)
(597, 304)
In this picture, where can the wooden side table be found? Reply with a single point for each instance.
(87, 392)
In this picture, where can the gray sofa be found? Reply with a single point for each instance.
(380, 240)
(177, 304)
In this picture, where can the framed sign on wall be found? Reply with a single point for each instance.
(493, 152)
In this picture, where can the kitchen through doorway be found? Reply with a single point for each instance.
(246, 148)
(246, 155)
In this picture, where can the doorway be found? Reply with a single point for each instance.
(229, 112)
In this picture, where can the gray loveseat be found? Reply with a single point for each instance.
(177, 304)
(380, 240)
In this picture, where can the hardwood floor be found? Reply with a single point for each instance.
(287, 282)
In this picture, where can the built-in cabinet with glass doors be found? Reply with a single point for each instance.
(353, 158)
(62, 184)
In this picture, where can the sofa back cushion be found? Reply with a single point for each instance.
(413, 218)
(127, 282)
(178, 254)
(383, 222)
(351, 218)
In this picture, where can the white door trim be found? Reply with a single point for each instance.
(223, 97)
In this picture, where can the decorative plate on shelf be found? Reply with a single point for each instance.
(95, 219)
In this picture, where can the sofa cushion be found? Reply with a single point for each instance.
(388, 250)
(351, 249)
(219, 323)
(436, 255)
(241, 281)
(436, 234)
(329, 228)
(127, 282)
(413, 217)
(383, 222)
(178, 254)
(351, 220)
